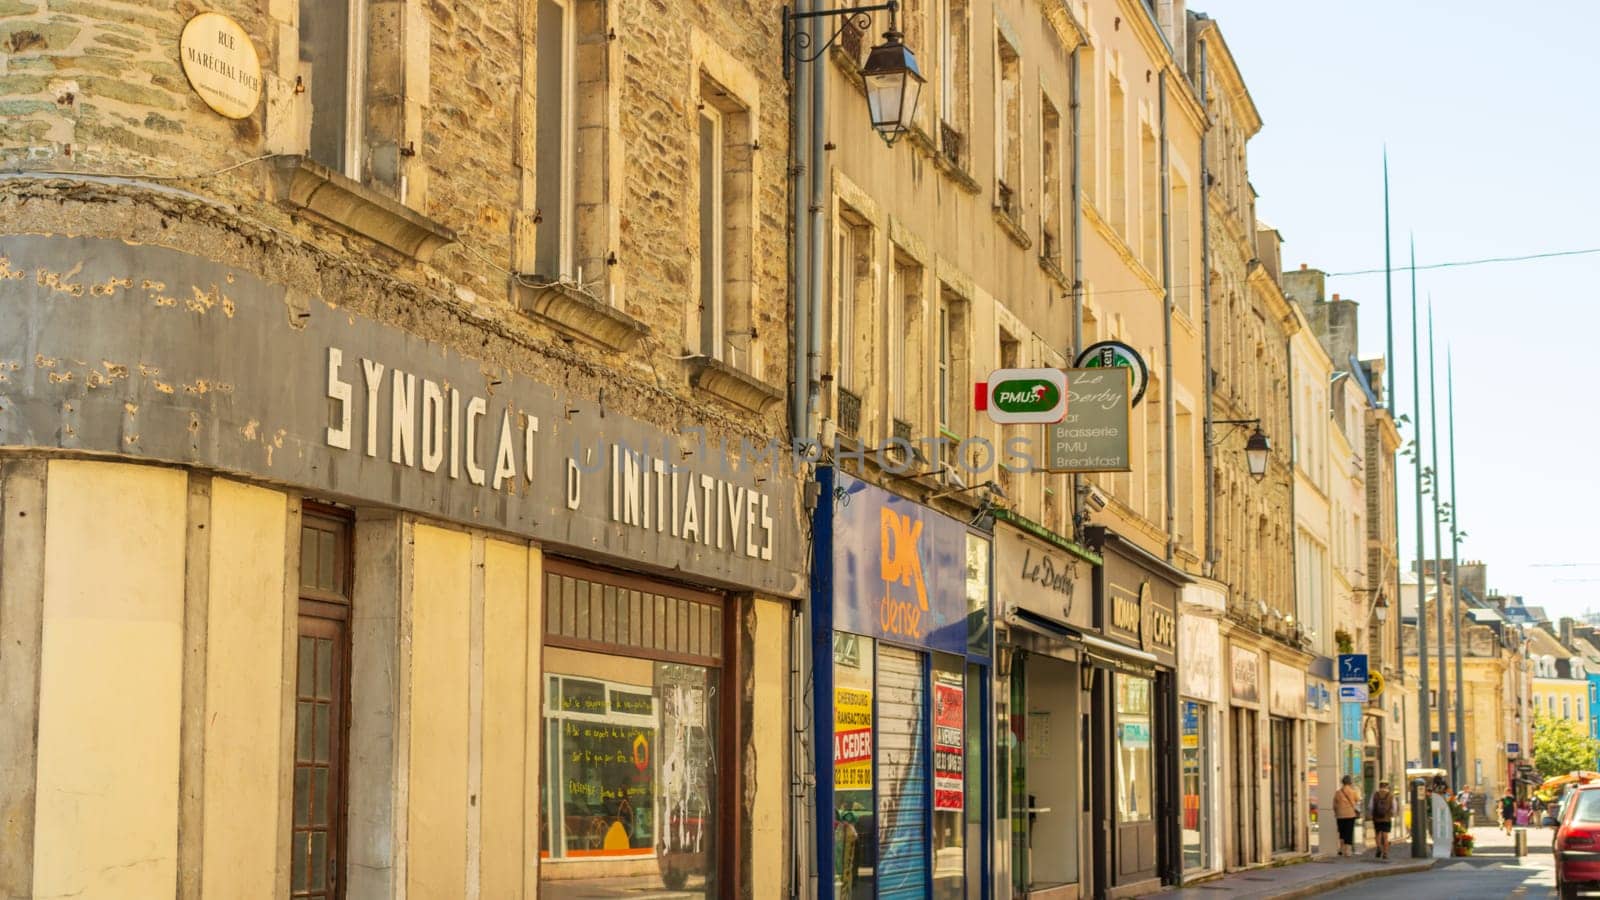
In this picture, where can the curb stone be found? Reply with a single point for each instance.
(1333, 884)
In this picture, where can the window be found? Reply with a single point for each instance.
(942, 378)
(1184, 433)
(1154, 452)
(712, 271)
(554, 178)
(906, 347)
(1050, 205)
(322, 691)
(332, 64)
(1010, 358)
(632, 735)
(955, 82)
(726, 330)
(1183, 288)
(1117, 150)
(1566, 707)
(573, 237)
(1149, 199)
(1008, 112)
(1135, 793)
(1089, 173)
(855, 314)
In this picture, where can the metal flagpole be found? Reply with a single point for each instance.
(1391, 378)
(1446, 751)
(1419, 828)
(1455, 559)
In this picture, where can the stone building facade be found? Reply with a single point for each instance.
(1258, 717)
(375, 518)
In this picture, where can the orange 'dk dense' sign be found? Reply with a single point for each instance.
(899, 568)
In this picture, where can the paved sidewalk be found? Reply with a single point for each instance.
(1324, 874)
(1305, 879)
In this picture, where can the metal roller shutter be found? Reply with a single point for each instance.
(903, 775)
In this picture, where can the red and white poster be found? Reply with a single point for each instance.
(948, 721)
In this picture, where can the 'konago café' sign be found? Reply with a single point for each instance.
(151, 353)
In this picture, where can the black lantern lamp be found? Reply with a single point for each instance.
(894, 85)
(893, 79)
(1257, 448)
(1255, 453)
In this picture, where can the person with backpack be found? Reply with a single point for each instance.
(1381, 811)
(1346, 807)
(1508, 811)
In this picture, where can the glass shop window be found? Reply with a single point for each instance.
(1135, 792)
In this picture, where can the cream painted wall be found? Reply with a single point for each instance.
(508, 823)
(769, 662)
(437, 823)
(243, 688)
(110, 681)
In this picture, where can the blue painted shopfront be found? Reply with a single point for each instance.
(902, 642)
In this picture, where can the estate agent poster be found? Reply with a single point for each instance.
(948, 763)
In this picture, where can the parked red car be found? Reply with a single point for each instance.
(1577, 843)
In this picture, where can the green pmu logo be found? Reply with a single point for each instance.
(1025, 395)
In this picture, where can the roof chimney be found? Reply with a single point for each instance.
(1302, 267)
(1336, 297)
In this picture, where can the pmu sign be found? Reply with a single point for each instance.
(1023, 396)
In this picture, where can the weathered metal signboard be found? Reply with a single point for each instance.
(1094, 435)
(154, 354)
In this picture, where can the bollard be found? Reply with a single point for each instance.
(1419, 821)
(1522, 841)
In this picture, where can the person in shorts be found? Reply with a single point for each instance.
(1508, 811)
(1380, 809)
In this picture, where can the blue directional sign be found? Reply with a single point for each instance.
(1352, 668)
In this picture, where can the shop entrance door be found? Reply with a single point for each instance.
(1244, 784)
(1051, 803)
(1283, 783)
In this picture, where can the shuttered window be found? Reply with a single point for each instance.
(609, 612)
(903, 800)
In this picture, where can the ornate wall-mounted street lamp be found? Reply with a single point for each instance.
(893, 79)
(1256, 449)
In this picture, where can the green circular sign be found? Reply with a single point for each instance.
(1106, 354)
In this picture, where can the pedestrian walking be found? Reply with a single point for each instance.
(1381, 811)
(1508, 811)
(1346, 807)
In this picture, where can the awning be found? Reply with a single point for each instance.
(1119, 656)
(1032, 621)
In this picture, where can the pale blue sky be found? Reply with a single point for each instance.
(1492, 133)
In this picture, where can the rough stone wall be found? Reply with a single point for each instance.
(94, 87)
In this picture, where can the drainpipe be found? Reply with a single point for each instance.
(1205, 321)
(818, 243)
(801, 866)
(799, 291)
(1167, 400)
(1076, 199)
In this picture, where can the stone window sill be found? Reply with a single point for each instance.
(302, 184)
(1053, 269)
(956, 172)
(574, 313)
(719, 379)
(1012, 228)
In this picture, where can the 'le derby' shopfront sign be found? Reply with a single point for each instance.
(151, 353)
(1038, 578)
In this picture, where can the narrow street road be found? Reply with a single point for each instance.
(1492, 873)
